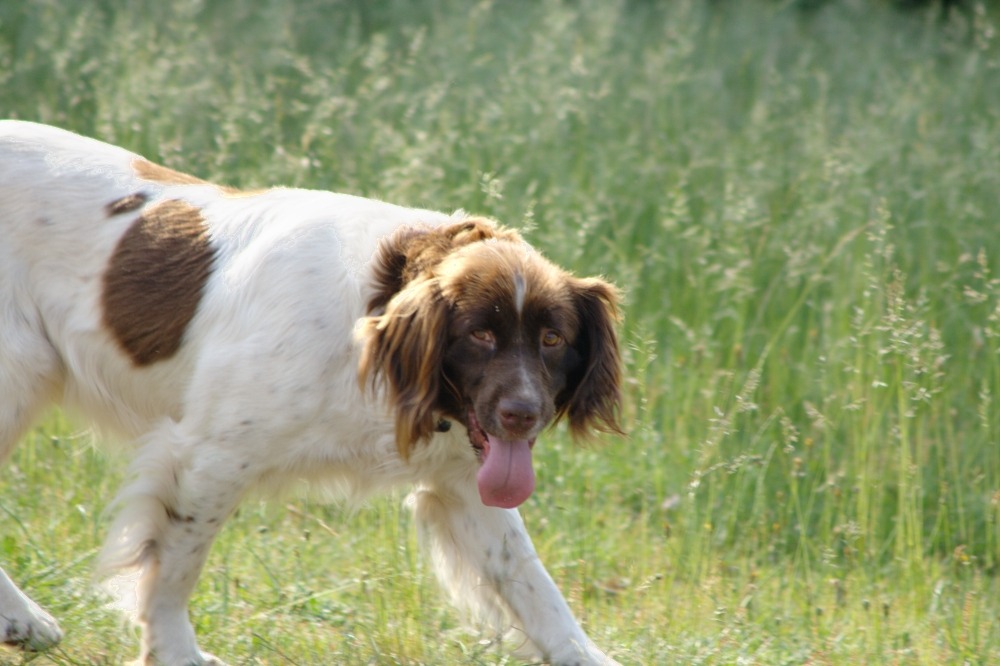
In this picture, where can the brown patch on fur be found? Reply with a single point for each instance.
(160, 174)
(126, 204)
(157, 173)
(155, 279)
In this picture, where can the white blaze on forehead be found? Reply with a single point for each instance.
(519, 290)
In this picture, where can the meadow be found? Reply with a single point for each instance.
(801, 206)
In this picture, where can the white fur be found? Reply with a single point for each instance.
(263, 391)
(519, 292)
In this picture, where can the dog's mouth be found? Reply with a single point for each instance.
(506, 477)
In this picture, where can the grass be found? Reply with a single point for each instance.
(800, 204)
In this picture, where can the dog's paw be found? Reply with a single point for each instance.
(29, 628)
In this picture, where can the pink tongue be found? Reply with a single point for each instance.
(506, 477)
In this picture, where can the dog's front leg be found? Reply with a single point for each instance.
(486, 560)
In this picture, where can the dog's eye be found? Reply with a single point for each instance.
(484, 336)
(551, 338)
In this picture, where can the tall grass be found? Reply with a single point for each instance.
(801, 207)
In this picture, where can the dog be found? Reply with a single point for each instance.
(248, 340)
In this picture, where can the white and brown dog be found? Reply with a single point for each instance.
(256, 339)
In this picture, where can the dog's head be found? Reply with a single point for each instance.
(471, 324)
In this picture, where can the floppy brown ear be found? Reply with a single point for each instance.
(403, 350)
(594, 401)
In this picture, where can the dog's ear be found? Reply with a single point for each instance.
(402, 350)
(592, 400)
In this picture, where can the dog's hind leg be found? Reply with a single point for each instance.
(29, 377)
(183, 490)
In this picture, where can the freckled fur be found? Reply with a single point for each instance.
(224, 333)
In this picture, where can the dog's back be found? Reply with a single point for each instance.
(115, 272)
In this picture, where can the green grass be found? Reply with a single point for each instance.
(802, 208)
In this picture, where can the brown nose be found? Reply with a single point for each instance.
(517, 416)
